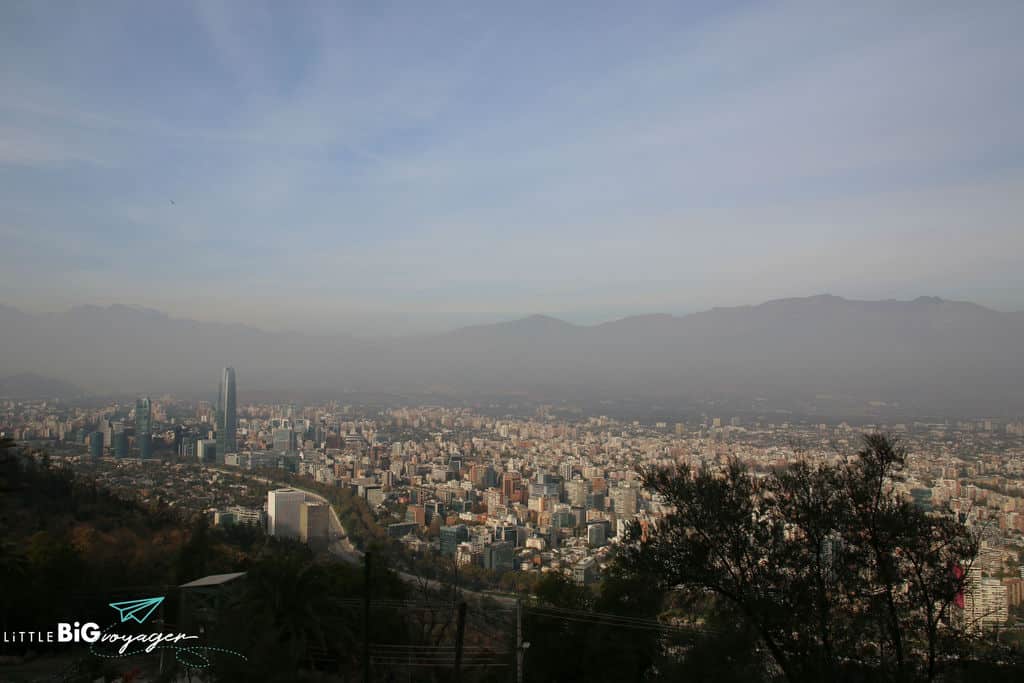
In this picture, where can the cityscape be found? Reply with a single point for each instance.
(471, 342)
(530, 494)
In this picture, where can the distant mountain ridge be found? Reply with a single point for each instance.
(930, 353)
(30, 386)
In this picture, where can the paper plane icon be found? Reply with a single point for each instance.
(136, 610)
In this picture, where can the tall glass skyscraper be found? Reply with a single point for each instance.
(144, 427)
(96, 444)
(121, 444)
(227, 415)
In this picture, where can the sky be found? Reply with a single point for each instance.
(388, 167)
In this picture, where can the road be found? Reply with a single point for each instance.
(341, 547)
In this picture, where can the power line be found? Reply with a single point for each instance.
(597, 615)
(404, 663)
(609, 619)
(400, 646)
(413, 604)
(648, 627)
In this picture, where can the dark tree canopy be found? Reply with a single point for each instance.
(828, 570)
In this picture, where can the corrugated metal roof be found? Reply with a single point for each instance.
(212, 580)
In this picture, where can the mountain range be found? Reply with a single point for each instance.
(931, 355)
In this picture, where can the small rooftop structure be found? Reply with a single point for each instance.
(200, 601)
(212, 580)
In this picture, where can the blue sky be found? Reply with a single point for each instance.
(391, 166)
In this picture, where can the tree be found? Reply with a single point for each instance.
(195, 553)
(719, 539)
(915, 562)
(568, 641)
(10, 467)
(557, 646)
(55, 568)
(14, 572)
(835, 573)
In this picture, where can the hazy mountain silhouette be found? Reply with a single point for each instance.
(931, 354)
(30, 386)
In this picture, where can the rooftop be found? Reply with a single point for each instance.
(212, 580)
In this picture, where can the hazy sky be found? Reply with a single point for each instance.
(474, 158)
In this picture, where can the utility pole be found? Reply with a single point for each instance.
(455, 586)
(366, 619)
(460, 635)
(163, 628)
(519, 641)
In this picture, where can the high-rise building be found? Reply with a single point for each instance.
(227, 415)
(492, 498)
(1014, 591)
(624, 499)
(285, 441)
(510, 483)
(107, 427)
(565, 470)
(144, 427)
(416, 514)
(546, 489)
(187, 445)
(432, 509)
(506, 532)
(96, 444)
(576, 492)
(451, 537)
(985, 602)
(490, 477)
(314, 524)
(283, 512)
(476, 475)
(464, 555)
(206, 451)
(562, 517)
(121, 444)
(585, 571)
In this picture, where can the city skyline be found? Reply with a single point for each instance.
(473, 162)
(547, 491)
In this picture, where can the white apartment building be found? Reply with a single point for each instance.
(283, 512)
